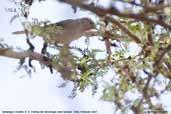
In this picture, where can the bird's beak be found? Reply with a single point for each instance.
(18, 32)
(94, 26)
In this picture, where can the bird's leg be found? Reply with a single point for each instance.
(44, 51)
(31, 48)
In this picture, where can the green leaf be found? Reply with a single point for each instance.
(108, 94)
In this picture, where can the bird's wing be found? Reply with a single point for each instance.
(64, 23)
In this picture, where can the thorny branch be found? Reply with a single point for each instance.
(124, 29)
(145, 95)
(162, 54)
(21, 55)
(109, 15)
(101, 12)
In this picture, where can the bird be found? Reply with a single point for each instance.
(63, 32)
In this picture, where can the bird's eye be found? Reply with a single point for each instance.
(91, 22)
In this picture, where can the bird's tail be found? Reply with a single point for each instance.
(18, 32)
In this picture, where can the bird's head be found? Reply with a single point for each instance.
(87, 23)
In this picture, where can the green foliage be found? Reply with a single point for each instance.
(108, 94)
(133, 71)
(48, 32)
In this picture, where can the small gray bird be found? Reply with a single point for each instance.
(62, 32)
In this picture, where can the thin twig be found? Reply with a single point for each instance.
(32, 55)
(124, 29)
(160, 57)
(101, 12)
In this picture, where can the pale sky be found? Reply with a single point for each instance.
(41, 92)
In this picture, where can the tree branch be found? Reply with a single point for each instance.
(6, 52)
(101, 12)
(161, 55)
(124, 29)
